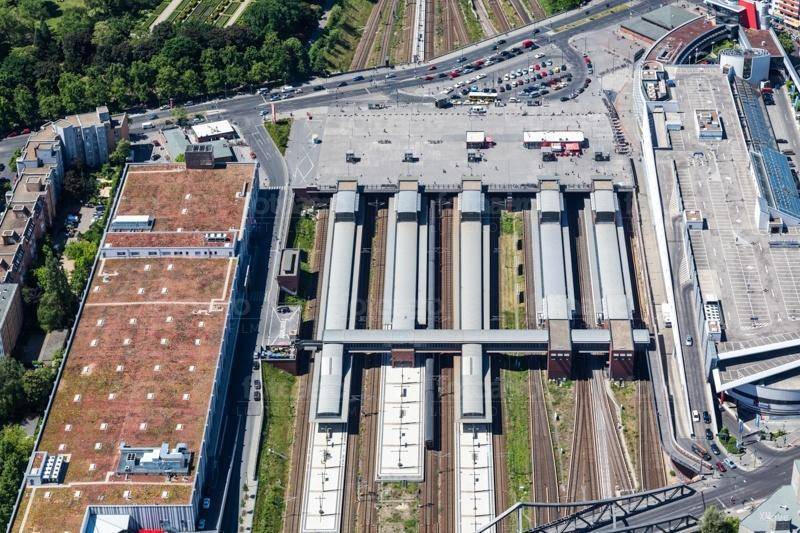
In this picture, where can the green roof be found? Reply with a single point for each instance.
(669, 17)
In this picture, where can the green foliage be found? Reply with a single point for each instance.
(728, 441)
(556, 6)
(82, 252)
(786, 42)
(180, 158)
(101, 56)
(715, 521)
(120, 154)
(57, 303)
(12, 162)
(276, 443)
(12, 394)
(37, 384)
(15, 449)
(279, 131)
(179, 114)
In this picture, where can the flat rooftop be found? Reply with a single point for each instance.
(140, 371)
(143, 356)
(757, 286)
(668, 48)
(182, 199)
(437, 138)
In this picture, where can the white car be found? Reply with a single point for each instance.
(507, 77)
(539, 55)
(206, 503)
(481, 76)
(513, 100)
(460, 84)
(448, 90)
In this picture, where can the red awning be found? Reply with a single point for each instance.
(489, 140)
(572, 147)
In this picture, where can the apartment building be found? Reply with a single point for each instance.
(11, 317)
(89, 138)
(134, 428)
(30, 209)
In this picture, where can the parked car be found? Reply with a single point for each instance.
(695, 416)
(709, 434)
(152, 116)
(721, 467)
(257, 384)
(318, 88)
(715, 449)
(263, 113)
(257, 396)
(729, 462)
(706, 417)
(206, 503)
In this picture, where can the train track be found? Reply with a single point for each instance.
(652, 472)
(522, 13)
(292, 521)
(318, 262)
(455, 30)
(620, 476)
(500, 17)
(530, 304)
(364, 46)
(437, 489)
(545, 481)
(430, 28)
(581, 260)
(498, 441)
(536, 9)
(367, 487)
(583, 483)
(386, 41)
(408, 30)
(377, 268)
(445, 312)
(350, 496)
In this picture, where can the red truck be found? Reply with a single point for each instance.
(527, 43)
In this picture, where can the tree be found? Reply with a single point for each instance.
(82, 252)
(37, 384)
(57, 302)
(25, 105)
(11, 391)
(12, 162)
(786, 42)
(78, 184)
(715, 521)
(120, 154)
(179, 114)
(15, 449)
(72, 89)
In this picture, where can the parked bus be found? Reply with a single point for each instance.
(481, 96)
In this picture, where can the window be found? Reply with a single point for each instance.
(103, 426)
(143, 426)
(120, 368)
(151, 395)
(157, 368)
(178, 427)
(77, 398)
(98, 445)
(68, 428)
(112, 396)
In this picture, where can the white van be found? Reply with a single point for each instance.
(695, 416)
(147, 125)
(287, 89)
(477, 110)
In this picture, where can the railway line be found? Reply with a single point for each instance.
(437, 490)
(317, 261)
(522, 13)
(545, 480)
(619, 477)
(580, 258)
(502, 25)
(530, 304)
(407, 39)
(583, 482)
(293, 517)
(652, 472)
(364, 46)
(430, 29)
(445, 283)
(536, 9)
(350, 496)
(499, 441)
(455, 30)
(367, 487)
(377, 267)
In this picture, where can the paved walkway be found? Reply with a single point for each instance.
(238, 13)
(166, 13)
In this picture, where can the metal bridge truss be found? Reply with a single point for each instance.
(672, 525)
(594, 514)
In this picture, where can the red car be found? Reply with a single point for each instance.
(527, 43)
(252, 155)
(156, 142)
(26, 131)
(432, 67)
(428, 78)
(721, 467)
(586, 60)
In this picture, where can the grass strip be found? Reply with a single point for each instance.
(277, 438)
